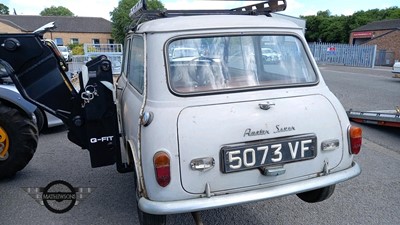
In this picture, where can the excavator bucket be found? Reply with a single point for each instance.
(87, 109)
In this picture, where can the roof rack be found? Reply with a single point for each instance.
(139, 12)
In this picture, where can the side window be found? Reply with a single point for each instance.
(126, 51)
(136, 64)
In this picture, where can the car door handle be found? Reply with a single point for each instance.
(266, 106)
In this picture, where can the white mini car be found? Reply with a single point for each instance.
(66, 53)
(219, 125)
(396, 70)
(227, 127)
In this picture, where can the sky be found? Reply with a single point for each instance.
(102, 8)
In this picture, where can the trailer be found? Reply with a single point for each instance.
(390, 118)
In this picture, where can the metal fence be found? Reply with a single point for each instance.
(344, 54)
(384, 58)
(75, 66)
(91, 51)
(110, 49)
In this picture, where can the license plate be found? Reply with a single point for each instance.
(258, 154)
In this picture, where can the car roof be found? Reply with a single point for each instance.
(213, 22)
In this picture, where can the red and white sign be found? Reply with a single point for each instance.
(331, 49)
(362, 34)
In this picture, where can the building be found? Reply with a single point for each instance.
(70, 29)
(385, 35)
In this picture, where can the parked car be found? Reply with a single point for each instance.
(220, 129)
(184, 53)
(43, 119)
(229, 127)
(396, 70)
(270, 56)
(66, 53)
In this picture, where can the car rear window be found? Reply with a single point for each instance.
(209, 64)
(62, 49)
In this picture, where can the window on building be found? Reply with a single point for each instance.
(111, 41)
(59, 41)
(74, 41)
(96, 41)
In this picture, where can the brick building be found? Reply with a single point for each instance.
(385, 35)
(70, 29)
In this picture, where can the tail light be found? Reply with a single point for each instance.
(355, 136)
(161, 162)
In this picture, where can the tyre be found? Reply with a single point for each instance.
(146, 218)
(39, 119)
(150, 219)
(18, 141)
(317, 195)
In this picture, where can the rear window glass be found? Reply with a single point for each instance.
(233, 62)
(62, 48)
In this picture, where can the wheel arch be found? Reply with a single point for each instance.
(130, 147)
(15, 100)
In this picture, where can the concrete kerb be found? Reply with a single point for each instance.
(377, 71)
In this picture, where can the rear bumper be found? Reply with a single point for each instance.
(199, 204)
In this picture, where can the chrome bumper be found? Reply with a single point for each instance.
(199, 204)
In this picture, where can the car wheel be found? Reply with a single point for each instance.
(18, 141)
(146, 218)
(150, 219)
(317, 195)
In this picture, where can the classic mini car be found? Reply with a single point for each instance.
(228, 127)
(216, 128)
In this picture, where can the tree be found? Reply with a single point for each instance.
(120, 17)
(56, 11)
(3, 9)
(77, 49)
(314, 25)
(333, 28)
(393, 13)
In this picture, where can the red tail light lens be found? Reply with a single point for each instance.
(161, 162)
(355, 135)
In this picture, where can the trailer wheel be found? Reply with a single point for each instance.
(18, 141)
(317, 195)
